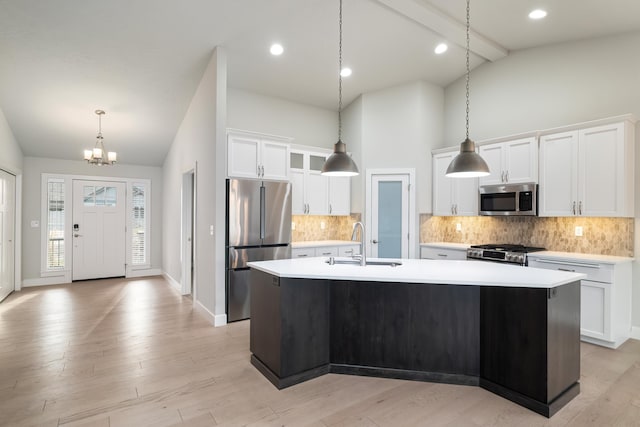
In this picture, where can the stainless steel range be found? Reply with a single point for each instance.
(511, 254)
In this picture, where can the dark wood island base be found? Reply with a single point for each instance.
(520, 343)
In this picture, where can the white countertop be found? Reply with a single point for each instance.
(477, 273)
(574, 256)
(323, 243)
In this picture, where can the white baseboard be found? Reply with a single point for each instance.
(220, 320)
(145, 272)
(205, 311)
(45, 281)
(215, 319)
(173, 282)
(635, 332)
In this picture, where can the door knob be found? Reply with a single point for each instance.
(375, 241)
(77, 235)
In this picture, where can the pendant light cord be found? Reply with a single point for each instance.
(340, 78)
(467, 68)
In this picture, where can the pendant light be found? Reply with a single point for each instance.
(467, 164)
(97, 155)
(339, 163)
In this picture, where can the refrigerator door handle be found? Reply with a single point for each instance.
(262, 212)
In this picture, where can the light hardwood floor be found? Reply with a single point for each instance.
(135, 353)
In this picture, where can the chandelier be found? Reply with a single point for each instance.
(97, 155)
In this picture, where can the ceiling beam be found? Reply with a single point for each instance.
(440, 23)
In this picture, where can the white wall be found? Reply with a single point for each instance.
(398, 127)
(307, 125)
(553, 86)
(200, 138)
(11, 157)
(33, 169)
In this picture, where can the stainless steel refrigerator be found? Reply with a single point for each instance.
(258, 229)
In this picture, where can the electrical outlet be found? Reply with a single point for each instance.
(323, 225)
(211, 230)
(578, 231)
(293, 226)
(458, 227)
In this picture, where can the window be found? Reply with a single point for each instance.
(138, 224)
(55, 223)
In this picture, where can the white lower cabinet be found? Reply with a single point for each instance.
(326, 250)
(303, 252)
(605, 297)
(442, 253)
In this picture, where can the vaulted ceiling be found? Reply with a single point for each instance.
(141, 60)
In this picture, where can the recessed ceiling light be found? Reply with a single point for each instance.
(537, 14)
(441, 48)
(346, 72)
(276, 49)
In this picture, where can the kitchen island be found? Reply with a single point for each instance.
(510, 330)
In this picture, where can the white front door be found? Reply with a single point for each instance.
(389, 216)
(7, 233)
(99, 220)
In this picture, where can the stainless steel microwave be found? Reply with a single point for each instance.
(509, 199)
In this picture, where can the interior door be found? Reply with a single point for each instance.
(390, 216)
(7, 233)
(99, 220)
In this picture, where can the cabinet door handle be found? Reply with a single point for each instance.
(573, 208)
(330, 209)
(580, 208)
(506, 176)
(502, 176)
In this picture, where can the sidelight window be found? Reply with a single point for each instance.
(55, 224)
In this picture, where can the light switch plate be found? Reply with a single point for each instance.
(35, 223)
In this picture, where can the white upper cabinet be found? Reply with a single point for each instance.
(588, 172)
(452, 196)
(257, 156)
(511, 162)
(339, 195)
(314, 193)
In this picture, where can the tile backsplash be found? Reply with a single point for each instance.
(309, 227)
(605, 236)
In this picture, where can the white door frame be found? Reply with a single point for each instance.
(411, 172)
(17, 238)
(187, 235)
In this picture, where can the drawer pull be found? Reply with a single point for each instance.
(326, 253)
(302, 255)
(566, 269)
(443, 255)
(349, 252)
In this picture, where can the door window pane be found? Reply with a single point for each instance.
(390, 219)
(55, 224)
(89, 195)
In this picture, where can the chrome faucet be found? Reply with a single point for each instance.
(363, 258)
